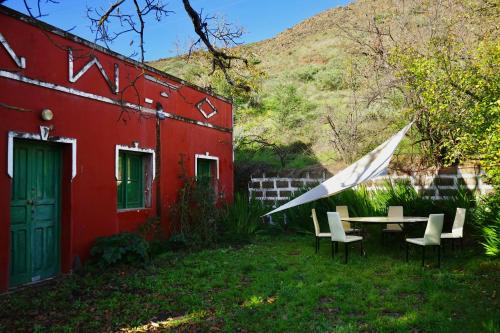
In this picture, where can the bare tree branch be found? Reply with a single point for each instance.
(38, 6)
(224, 34)
(101, 20)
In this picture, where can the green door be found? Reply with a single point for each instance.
(34, 211)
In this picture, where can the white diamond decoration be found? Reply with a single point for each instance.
(206, 108)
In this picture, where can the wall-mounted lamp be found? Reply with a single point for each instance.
(159, 111)
(47, 115)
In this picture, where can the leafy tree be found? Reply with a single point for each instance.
(456, 100)
(443, 59)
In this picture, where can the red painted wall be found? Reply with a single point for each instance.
(89, 201)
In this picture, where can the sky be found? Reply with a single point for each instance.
(261, 19)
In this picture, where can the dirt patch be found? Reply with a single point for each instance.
(420, 297)
(356, 314)
(328, 310)
(326, 299)
(391, 313)
(162, 316)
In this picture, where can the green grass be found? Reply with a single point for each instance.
(274, 285)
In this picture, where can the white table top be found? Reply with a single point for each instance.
(385, 219)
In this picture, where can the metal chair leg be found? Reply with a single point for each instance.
(453, 244)
(317, 244)
(346, 252)
(333, 250)
(362, 251)
(461, 244)
(407, 246)
(423, 255)
(439, 255)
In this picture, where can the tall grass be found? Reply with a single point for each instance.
(241, 220)
(364, 202)
(487, 220)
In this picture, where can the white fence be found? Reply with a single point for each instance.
(435, 184)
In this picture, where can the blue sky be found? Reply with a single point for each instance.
(261, 19)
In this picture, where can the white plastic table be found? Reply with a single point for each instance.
(402, 221)
(386, 219)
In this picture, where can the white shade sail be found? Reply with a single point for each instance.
(369, 166)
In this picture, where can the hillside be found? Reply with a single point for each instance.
(326, 98)
(301, 58)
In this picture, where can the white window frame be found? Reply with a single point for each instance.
(139, 150)
(205, 156)
(37, 137)
(147, 183)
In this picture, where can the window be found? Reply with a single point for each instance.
(134, 172)
(207, 169)
(204, 168)
(130, 180)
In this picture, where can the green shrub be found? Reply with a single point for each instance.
(487, 220)
(196, 211)
(242, 219)
(125, 247)
(331, 78)
(176, 242)
(289, 106)
(306, 74)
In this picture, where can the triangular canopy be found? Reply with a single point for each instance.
(369, 166)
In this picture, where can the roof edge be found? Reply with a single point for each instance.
(50, 28)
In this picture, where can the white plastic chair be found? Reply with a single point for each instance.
(393, 211)
(344, 213)
(457, 231)
(317, 231)
(432, 236)
(339, 235)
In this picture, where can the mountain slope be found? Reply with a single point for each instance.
(312, 107)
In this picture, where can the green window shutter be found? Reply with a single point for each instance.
(203, 170)
(135, 192)
(130, 180)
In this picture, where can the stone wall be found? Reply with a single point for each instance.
(435, 184)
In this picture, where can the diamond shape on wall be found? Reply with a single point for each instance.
(206, 108)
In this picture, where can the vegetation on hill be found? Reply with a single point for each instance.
(334, 86)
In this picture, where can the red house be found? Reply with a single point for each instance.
(91, 144)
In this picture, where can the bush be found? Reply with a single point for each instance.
(126, 247)
(289, 106)
(306, 74)
(330, 79)
(176, 242)
(194, 215)
(242, 219)
(487, 220)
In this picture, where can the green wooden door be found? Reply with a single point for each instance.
(35, 215)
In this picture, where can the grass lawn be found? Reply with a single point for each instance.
(274, 285)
